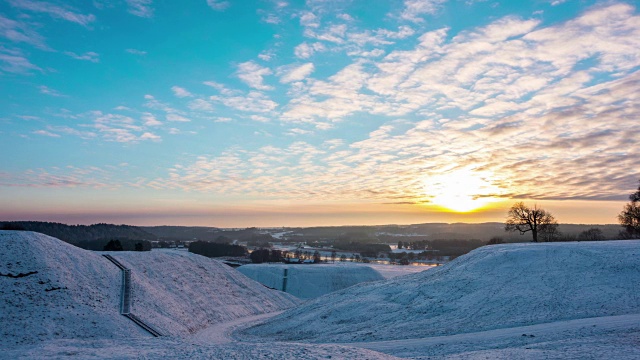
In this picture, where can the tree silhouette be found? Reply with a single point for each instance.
(593, 234)
(629, 218)
(113, 245)
(523, 219)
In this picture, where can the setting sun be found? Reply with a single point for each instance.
(460, 191)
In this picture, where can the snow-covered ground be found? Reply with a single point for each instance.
(517, 301)
(59, 301)
(493, 287)
(308, 281)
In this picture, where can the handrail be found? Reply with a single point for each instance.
(126, 297)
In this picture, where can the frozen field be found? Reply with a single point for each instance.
(524, 301)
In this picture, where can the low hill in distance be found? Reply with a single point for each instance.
(78, 233)
(373, 234)
(492, 287)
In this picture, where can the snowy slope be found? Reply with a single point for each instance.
(179, 293)
(391, 271)
(308, 281)
(74, 294)
(492, 287)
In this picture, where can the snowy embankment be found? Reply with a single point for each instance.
(51, 290)
(180, 293)
(493, 287)
(308, 281)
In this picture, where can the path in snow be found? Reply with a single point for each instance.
(221, 333)
(506, 338)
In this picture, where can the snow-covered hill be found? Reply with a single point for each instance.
(53, 290)
(70, 292)
(180, 293)
(310, 280)
(493, 287)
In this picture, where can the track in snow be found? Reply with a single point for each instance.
(221, 333)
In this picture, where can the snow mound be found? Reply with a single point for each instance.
(310, 280)
(179, 293)
(492, 287)
(52, 290)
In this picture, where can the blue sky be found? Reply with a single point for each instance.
(318, 112)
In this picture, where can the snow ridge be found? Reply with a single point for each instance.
(492, 287)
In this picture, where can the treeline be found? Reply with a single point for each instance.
(75, 234)
(212, 249)
(260, 256)
(451, 248)
(365, 249)
(121, 244)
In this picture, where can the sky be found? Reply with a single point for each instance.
(319, 112)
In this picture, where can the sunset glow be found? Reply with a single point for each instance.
(460, 191)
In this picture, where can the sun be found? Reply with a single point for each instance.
(460, 190)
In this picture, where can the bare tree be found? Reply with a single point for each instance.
(524, 219)
(593, 234)
(629, 218)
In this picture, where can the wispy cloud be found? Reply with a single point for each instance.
(60, 12)
(150, 120)
(20, 32)
(254, 101)
(141, 8)
(88, 56)
(67, 177)
(46, 133)
(136, 52)
(306, 50)
(51, 92)
(295, 72)
(218, 5)
(14, 61)
(180, 92)
(415, 9)
(253, 75)
(176, 117)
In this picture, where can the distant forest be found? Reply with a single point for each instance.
(439, 238)
(90, 237)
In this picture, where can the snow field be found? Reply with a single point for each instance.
(492, 287)
(516, 301)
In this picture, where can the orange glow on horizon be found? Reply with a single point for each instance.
(461, 191)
